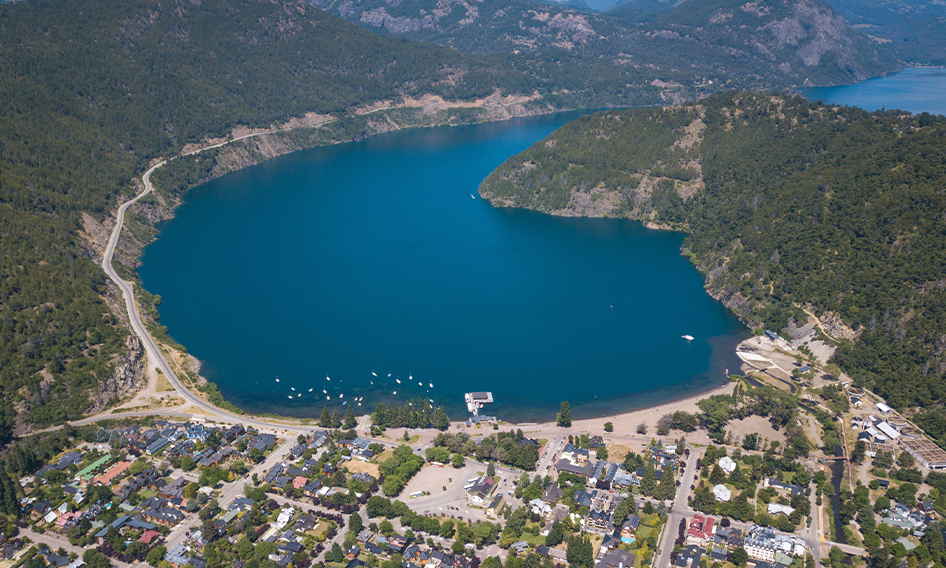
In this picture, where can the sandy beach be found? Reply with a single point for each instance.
(625, 424)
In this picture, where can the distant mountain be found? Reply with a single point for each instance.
(689, 49)
(915, 29)
(789, 206)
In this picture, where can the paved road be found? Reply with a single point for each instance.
(55, 541)
(678, 510)
(151, 348)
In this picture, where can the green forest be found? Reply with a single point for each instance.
(93, 91)
(786, 204)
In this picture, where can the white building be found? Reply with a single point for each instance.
(775, 509)
(722, 493)
(727, 465)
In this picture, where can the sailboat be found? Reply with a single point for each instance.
(398, 381)
(431, 385)
(688, 337)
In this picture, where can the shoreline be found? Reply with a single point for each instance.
(675, 398)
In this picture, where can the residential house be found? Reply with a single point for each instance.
(722, 493)
(629, 528)
(700, 530)
(689, 556)
(790, 487)
(479, 493)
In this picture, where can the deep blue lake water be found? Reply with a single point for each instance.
(921, 89)
(372, 257)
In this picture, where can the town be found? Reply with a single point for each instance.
(205, 494)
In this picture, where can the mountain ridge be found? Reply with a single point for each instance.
(788, 206)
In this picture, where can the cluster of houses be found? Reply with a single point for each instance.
(164, 505)
(704, 537)
(903, 517)
(609, 475)
(414, 555)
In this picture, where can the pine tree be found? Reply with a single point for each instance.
(667, 488)
(350, 421)
(336, 419)
(564, 417)
(717, 475)
(324, 420)
(649, 481)
(441, 420)
(556, 534)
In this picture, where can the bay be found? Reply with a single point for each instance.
(917, 89)
(379, 257)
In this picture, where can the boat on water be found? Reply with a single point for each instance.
(431, 385)
(373, 373)
(398, 381)
(688, 337)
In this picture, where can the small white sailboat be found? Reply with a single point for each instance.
(328, 398)
(290, 397)
(327, 379)
(324, 391)
(688, 337)
(293, 388)
(420, 384)
(310, 390)
(389, 374)
(373, 373)
(299, 395)
(395, 392)
(341, 396)
(359, 404)
(398, 381)
(277, 379)
(471, 195)
(431, 385)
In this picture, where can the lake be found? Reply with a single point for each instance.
(920, 89)
(379, 258)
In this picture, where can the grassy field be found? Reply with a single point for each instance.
(358, 466)
(163, 384)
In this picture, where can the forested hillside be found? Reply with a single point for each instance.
(92, 91)
(787, 205)
(697, 47)
(915, 29)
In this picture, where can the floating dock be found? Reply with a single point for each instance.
(476, 400)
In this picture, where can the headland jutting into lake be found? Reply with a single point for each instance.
(552, 305)
(326, 265)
